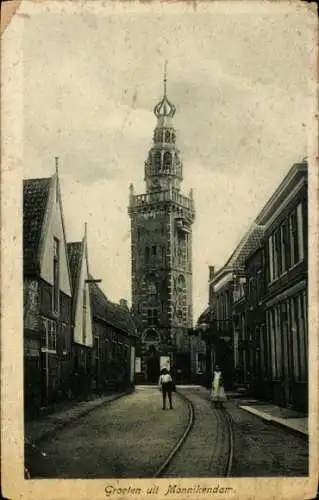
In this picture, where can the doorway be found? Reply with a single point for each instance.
(153, 365)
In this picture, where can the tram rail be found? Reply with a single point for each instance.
(222, 415)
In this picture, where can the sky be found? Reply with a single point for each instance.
(92, 75)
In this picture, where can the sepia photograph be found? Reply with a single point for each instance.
(163, 192)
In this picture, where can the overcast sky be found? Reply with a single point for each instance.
(240, 85)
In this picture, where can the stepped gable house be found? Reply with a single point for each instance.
(47, 294)
(161, 246)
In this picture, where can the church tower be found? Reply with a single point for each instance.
(161, 246)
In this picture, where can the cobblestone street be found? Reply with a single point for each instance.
(132, 437)
(263, 449)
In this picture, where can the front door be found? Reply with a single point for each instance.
(153, 368)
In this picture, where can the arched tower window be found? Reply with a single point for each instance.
(157, 160)
(181, 285)
(160, 136)
(147, 255)
(167, 136)
(167, 160)
(163, 254)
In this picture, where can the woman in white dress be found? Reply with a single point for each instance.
(218, 393)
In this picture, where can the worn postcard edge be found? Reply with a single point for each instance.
(12, 434)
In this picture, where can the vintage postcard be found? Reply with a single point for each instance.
(159, 258)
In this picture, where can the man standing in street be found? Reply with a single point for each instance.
(166, 384)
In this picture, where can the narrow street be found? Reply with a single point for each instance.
(133, 436)
(130, 437)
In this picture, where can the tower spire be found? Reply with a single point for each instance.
(56, 165)
(165, 78)
(164, 108)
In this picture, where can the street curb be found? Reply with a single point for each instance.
(46, 434)
(271, 421)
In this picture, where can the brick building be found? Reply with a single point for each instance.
(217, 323)
(113, 354)
(47, 294)
(259, 300)
(161, 246)
(75, 339)
(285, 218)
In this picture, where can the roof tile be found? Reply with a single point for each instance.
(35, 199)
(111, 313)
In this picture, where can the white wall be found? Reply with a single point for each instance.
(78, 327)
(53, 229)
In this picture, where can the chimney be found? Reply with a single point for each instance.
(123, 303)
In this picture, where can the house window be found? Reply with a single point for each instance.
(97, 348)
(84, 333)
(65, 339)
(152, 316)
(284, 246)
(56, 275)
(277, 253)
(48, 340)
(259, 286)
(296, 236)
(271, 260)
(300, 232)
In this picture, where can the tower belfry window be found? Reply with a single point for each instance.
(167, 136)
(167, 160)
(157, 159)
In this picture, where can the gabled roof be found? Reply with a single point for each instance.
(109, 312)
(206, 316)
(35, 200)
(74, 251)
(249, 244)
(297, 173)
(74, 255)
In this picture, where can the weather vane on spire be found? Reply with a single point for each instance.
(164, 107)
(165, 76)
(56, 164)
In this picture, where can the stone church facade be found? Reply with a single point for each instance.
(161, 246)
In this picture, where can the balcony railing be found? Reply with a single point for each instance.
(160, 196)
